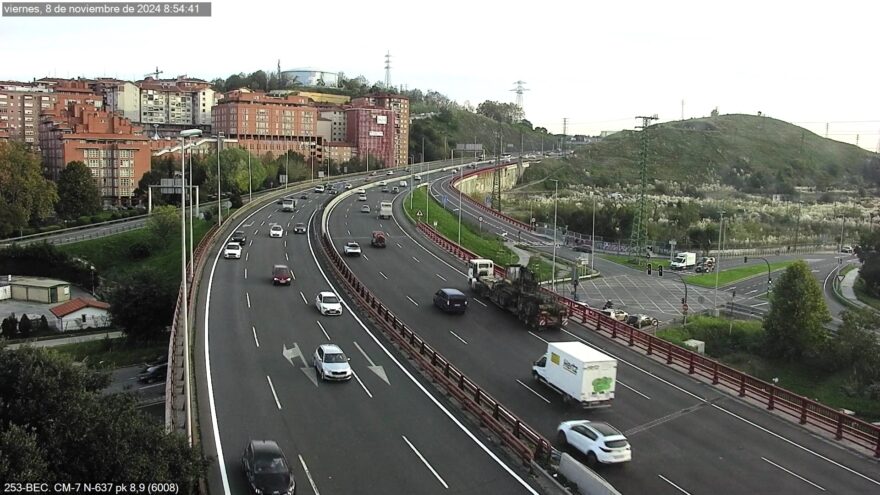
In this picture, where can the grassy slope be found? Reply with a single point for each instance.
(111, 353)
(471, 125)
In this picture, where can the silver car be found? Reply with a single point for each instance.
(331, 363)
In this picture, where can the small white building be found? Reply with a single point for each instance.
(81, 313)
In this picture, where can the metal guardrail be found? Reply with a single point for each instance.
(119, 225)
(790, 404)
(490, 211)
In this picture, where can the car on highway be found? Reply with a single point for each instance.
(276, 231)
(451, 300)
(153, 373)
(384, 189)
(365, 209)
(597, 440)
(299, 228)
(418, 177)
(383, 183)
(362, 191)
(328, 304)
(319, 189)
(232, 251)
(281, 275)
(239, 237)
(378, 239)
(395, 189)
(616, 314)
(331, 363)
(266, 468)
(351, 249)
(583, 248)
(303, 196)
(362, 197)
(847, 250)
(641, 320)
(347, 186)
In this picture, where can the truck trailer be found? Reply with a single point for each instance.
(385, 209)
(683, 261)
(581, 374)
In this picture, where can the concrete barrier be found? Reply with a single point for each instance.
(587, 481)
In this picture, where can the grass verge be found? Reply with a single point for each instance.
(626, 260)
(111, 353)
(864, 296)
(731, 275)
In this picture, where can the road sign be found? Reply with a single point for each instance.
(419, 213)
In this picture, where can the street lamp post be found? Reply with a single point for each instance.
(189, 190)
(555, 205)
(219, 207)
(461, 175)
(250, 181)
(183, 135)
(769, 276)
(718, 261)
(593, 238)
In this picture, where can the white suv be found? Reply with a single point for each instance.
(352, 248)
(597, 440)
(276, 231)
(328, 304)
(331, 363)
(232, 250)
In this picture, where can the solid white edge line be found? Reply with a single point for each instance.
(308, 474)
(792, 473)
(411, 300)
(459, 338)
(224, 477)
(255, 336)
(530, 389)
(272, 387)
(481, 302)
(682, 490)
(322, 329)
(634, 390)
(425, 461)
(421, 387)
(542, 339)
(362, 384)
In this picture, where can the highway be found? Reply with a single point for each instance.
(385, 431)
(687, 437)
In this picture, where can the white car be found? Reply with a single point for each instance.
(616, 314)
(365, 209)
(383, 183)
(232, 250)
(331, 363)
(276, 231)
(347, 186)
(328, 304)
(418, 177)
(362, 197)
(351, 249)
(597, 440)
(362, 191)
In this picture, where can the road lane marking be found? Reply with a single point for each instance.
(416, 259)
(349, 232)
(383, 275)
(398, 245)
(255, 336)
(425, 461)
(285, 240)
(303, 296)
(752, 291)
(270, 215)
(160, 384)
(530, 389)
(322, 329)
(273, 392)
(533, 334)
(673, 484)
(356, 377)
(459, 338)
(308, 474)
(481, 302)
(247, 256)
(262, 223)
(245, 273)
(792, 473)
(251, 242)
(411, 300)
(760, 304)
(364, 256)
(286, 257)
(634, 390)
(441, 277)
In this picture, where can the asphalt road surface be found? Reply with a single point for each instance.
(687, 437)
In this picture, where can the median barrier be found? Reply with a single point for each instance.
(774, 398)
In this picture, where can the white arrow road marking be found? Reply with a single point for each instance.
(378, 370)
(293, 353)
(273, 392)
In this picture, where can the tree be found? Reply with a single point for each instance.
(70, 431)
(9, 326)
(869, 255)
(25, 195)
(78, 194)
(25, 326)
(163, 223)
(857, 343)
(142, 305)
(795, 324)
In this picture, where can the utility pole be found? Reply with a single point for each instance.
(640, 225)
(682, 109)
(564, 132)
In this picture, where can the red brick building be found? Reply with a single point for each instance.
(399, 105)
(371, 131)
(116, 152)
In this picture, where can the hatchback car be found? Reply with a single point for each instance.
(362, 197)
(232, 251)
(641, 320)
(362, 191)
(390, 172)
(352, 249)
(328, 304)
(276, 231)
(395, 190)
(383, 183)
(281, 275)
(239, 237)
(365, 209)
(451, 300)
(347, 186)
(331, 363)
(847, 250)
(597, 440)
(299, 228)
(266, 468)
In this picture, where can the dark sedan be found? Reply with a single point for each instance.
(267, 469)
(239, 237)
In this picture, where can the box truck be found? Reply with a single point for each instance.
(581, 374)
(385, 209)
(683, 261)
(288, 204)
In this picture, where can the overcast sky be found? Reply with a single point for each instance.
(599, 64)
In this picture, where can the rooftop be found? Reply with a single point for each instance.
(77, 304)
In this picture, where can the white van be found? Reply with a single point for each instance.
(319, 188)
(402, 184)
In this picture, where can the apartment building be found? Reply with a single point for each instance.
(22, 103)
(115, 151)
(339, 152)
(338, 125)
(162, 106)
(264, 123)
(399, 106)
(372, 131)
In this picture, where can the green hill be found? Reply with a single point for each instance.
(749, 153)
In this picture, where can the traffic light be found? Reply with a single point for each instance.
(683, 301)
(660, 270)
(649, 268)
(769, 284)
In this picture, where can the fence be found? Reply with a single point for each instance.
(806, 411)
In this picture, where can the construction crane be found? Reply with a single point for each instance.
(155, 73)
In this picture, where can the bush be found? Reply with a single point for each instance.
(45, 260)
(139, 250)
(51, 228)
(720, 337)
(235, 199)
(207, 215)
(84, 220)
(25, 326)
(43, 325)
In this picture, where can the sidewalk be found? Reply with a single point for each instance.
(68, 340)
(524, 255)
(846, 289)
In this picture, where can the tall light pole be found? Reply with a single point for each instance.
(718, 261)
(219, 207)
(842, 224)
(461, 175)
(555, 204)
(250, 180)
(593, 238)
(183, 135)
(287, 166)
(189, 190)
